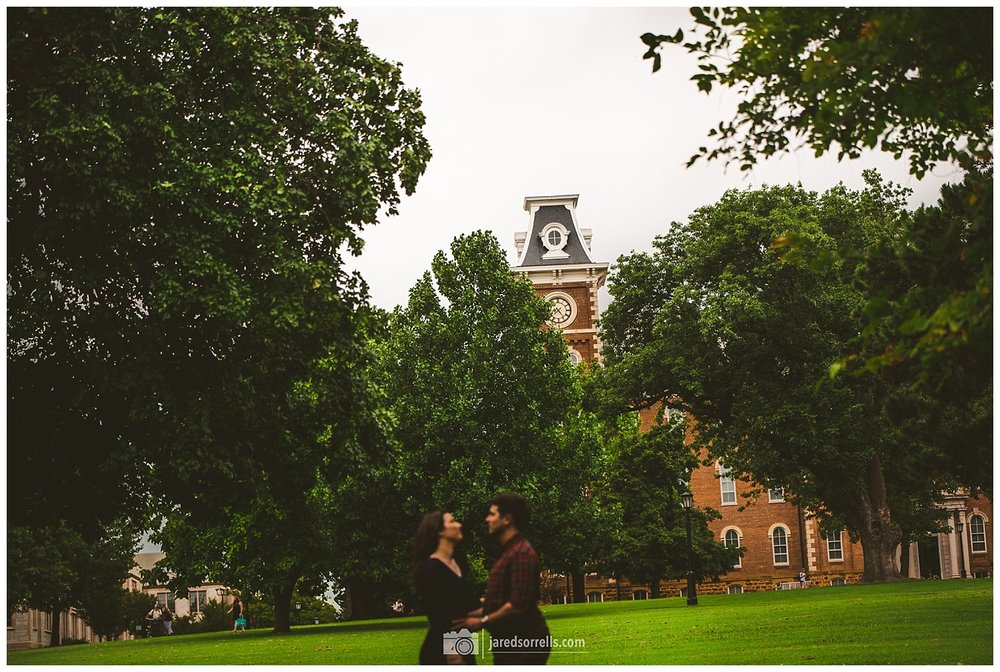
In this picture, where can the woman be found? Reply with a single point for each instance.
(236, 610)
(168, 620)
(443, 586)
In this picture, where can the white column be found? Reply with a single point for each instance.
(966, 550)
(914, 551)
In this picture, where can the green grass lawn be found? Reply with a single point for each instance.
(911, 623)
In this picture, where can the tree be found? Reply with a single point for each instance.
(115, 611)
(278, 532)
(477, 387)
(714, 319)
(573, 529)
(42, 570)
(929, 329)
(642, 493)
(847, 78)
(183, 184)
(53, 567)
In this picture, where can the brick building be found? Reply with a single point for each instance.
(779, 537)
(32, 629)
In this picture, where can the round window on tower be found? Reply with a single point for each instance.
(554, 237)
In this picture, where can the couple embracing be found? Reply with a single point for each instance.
(510, 609)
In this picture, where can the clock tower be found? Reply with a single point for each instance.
(555, 255)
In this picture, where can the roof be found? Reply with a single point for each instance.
(547, 210)
(147, 560)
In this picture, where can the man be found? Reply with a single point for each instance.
(510, 610)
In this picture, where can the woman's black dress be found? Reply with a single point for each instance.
(446, 596)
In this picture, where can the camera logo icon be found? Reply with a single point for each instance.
(463, 643)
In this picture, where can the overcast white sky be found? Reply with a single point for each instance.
(530, 102)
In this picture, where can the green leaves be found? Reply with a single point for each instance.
(478, 388)
(180, 210)
(848, 77)
(740, 315)
(654, 41)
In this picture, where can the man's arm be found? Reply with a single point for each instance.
(523, 569)
(477, 620)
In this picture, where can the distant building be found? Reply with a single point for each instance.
(197, 596)
(779, 537)
(32, 629)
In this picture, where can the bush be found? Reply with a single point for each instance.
(214, 617)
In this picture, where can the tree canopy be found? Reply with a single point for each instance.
(641, 493)
(913, 80)
(477, 386)
(716, 320)
(183, 184)
(899, 79)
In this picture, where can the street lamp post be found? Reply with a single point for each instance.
(298, 613)
(961, 545)
(687, 501)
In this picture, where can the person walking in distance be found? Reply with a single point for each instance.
(168, 620)
(237, 611)
(510, 610)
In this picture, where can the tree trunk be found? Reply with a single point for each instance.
(56, 638)
(282, 608)
(579, 589)
(654, 588)
(365, 600)
(618, 586)
(879, 535)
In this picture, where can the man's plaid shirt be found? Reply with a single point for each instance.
(515, 578)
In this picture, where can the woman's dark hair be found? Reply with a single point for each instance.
(515, 506)
(426, 539)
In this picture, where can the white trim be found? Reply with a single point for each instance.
(724, 476)
(826, 538)
(563, 267)
(739, 541)
(772, 500)
(788, 536)
(554, 251)
(972, 547)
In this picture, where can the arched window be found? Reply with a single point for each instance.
(731, 539)
(727, 484)
(977, 531)
(779, 544)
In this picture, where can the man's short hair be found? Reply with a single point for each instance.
(513, 505)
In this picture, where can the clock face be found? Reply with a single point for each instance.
(562, 311)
